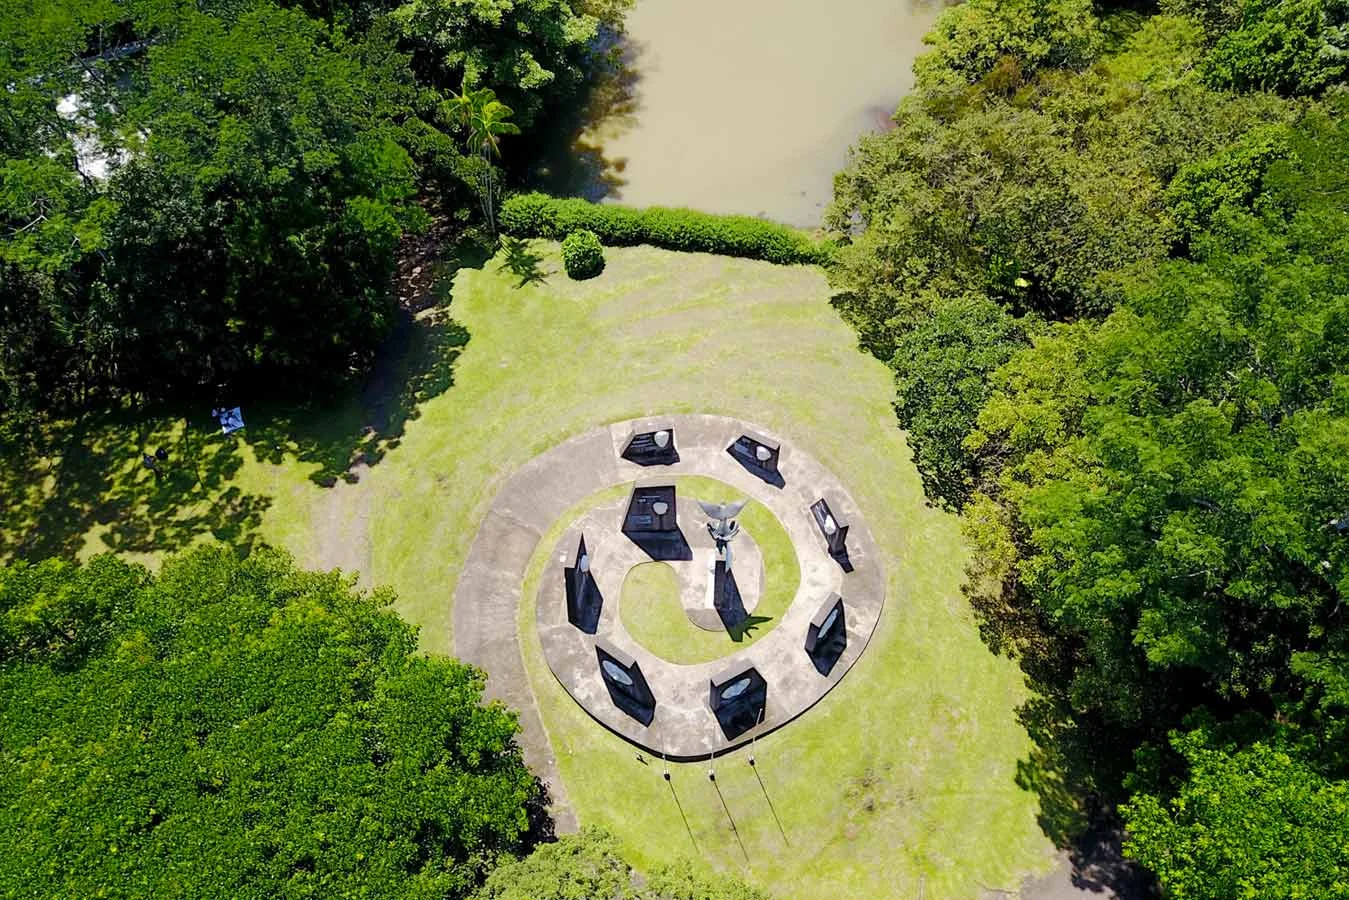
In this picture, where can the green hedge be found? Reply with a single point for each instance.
(582, 254)
(538, 215)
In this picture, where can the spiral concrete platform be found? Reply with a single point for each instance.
(488, 592)
(683, 726)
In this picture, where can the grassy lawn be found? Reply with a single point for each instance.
(900, 783)
(650, 606)
(81, 489)
(902, 780)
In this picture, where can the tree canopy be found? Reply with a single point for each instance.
(1105, 256)
(1250, 822)
(238, 728)
(1178, 469)
(1039, 194)
(250, 166)
(1288, 46)
(196, 197)
(534, 52)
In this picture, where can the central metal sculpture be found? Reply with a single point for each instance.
(723, 530)
(725, 592)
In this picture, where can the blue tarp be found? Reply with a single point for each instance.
(231, 420)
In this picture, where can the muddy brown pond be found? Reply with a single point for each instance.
(748, 106)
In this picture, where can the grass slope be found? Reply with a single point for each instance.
(900, 782)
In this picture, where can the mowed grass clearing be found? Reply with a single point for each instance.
(900, 782)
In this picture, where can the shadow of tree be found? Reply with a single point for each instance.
(542, 829)
(359, 427)
(83, 479)
(522, 262)
(85, 476)
(573, 159)
(1077, 762)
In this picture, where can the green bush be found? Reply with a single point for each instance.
(1292, 47)
(237, 729)
(538, 215)
(582, 254)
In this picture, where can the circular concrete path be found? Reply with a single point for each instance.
(487, 595)
(684, 728)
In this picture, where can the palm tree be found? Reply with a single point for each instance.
(485, 119)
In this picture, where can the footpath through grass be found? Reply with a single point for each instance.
(901, 781)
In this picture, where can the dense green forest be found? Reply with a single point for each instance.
(1105, 253)
(195, 196)
(237, 728)
(240, 729)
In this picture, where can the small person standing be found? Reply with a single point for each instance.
(153, 464)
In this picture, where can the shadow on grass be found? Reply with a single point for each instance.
(1077, 763)
(84, 475)
(522, 262)
(362, 425)
(746, 626)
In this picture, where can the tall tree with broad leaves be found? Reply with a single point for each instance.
(1257, 821)
(484, 120)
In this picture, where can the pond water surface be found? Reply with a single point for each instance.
(749, 106)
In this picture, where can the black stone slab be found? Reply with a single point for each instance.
(584, 601)
(827, 634)
(759, 455)
(652, 509)
(644, 449)
(738, 697)
(836, 540)
(627, 686)
(652, 523)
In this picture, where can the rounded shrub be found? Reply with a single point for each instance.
(582, 254)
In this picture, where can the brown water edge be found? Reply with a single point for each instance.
(743, 106)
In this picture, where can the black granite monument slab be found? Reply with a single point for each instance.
(584, 601)
(652, 448)
(627, 686)
(827, 634)
(651, 509)
(738, 698)
(828, 516)
(759, 455)
(652, 523)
